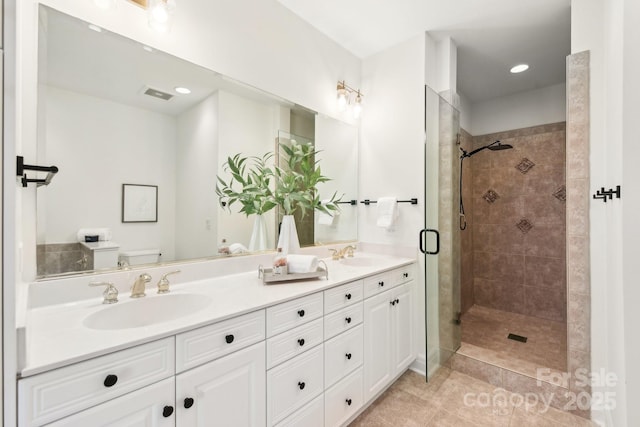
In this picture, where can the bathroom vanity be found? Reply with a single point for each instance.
(237, 352)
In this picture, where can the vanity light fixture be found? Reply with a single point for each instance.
(519, 68)
(182, 90)
(344, 98)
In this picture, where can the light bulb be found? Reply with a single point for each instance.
(519, 68)
(342, 97)
(357, 106)
(160, 13)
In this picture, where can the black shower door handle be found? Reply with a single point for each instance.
(422, 237)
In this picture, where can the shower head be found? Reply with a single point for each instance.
(499, 146)
(494, 146)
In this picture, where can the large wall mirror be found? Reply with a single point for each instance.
(109, 115)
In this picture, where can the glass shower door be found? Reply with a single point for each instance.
(441, 248)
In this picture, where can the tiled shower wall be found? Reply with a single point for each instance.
(516, 216)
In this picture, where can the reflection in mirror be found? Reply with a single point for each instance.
(108, 115)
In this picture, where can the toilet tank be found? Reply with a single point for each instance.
(144, 256)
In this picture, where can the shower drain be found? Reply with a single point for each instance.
(517, 337)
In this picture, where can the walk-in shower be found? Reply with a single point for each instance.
(494, 146)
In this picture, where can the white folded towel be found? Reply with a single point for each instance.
(104, 234)
(302, 263)
(237, 248)
(387, 212)
(325, 218)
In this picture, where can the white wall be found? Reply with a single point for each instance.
(127, 145)
(196, 167)
(520, 110)
(608, 28)
(392, 148)
(250, 128)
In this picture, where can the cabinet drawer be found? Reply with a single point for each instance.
(291, 343)
(285, 316)
(202, 345)
(310, 415)
(55, 394)
(342, 320)
(294, 383)
(342, 296)
(403, 274)
(343, 400)
(342, 355)
(375, 284)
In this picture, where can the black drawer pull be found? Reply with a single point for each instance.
(229, 338)
(397, 301)
(348, 356)
(348, 319)
(301, 313)
(405, 275)
(392, 302)
(381, 284)
(348, 402)
(110, 380)
(167, 411)
(301, 342)
(348, 296)
(188, 402)
(301, 385)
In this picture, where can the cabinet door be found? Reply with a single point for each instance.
(402, 321)
(152, 406)
(227, 392)
(377, 344)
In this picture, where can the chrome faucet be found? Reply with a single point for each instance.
(137, 290)
(163, 284)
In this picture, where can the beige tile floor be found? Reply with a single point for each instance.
(441, 402)
(488, 328)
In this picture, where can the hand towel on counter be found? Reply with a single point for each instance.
(302, 263)
(238, 248)
(325, 218)
(387, 212)
(104, 234)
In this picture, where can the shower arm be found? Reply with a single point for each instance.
(477, 150)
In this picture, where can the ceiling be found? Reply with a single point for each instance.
(491, 35)
(109, 66)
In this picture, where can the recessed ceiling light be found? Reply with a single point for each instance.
(147, 48)
(95, 28)
(183, 90)
(519, 68)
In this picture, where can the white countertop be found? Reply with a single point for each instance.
(57, 337)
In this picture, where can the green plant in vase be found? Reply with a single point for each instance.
(250, 186)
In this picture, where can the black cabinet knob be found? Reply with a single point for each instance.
(348, 356)
(348, 402)
(167, 411)
(405, 275)
(229, 338)
(392, 302)
(381, 284)
(348, 296)
(348, 319)
(397, 301)
(188, 402)
(301, 385)
(301, 313)
(301, 342)
(110, 380)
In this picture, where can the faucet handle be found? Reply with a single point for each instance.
(110, 294)
(163, 284)
(335, 255)
(349, 249)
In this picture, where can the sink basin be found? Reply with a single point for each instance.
(358, 261)
(146, 311)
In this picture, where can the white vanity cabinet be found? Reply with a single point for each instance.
(389, 346)
(228, 392)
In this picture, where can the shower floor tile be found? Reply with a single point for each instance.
(488, 328)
